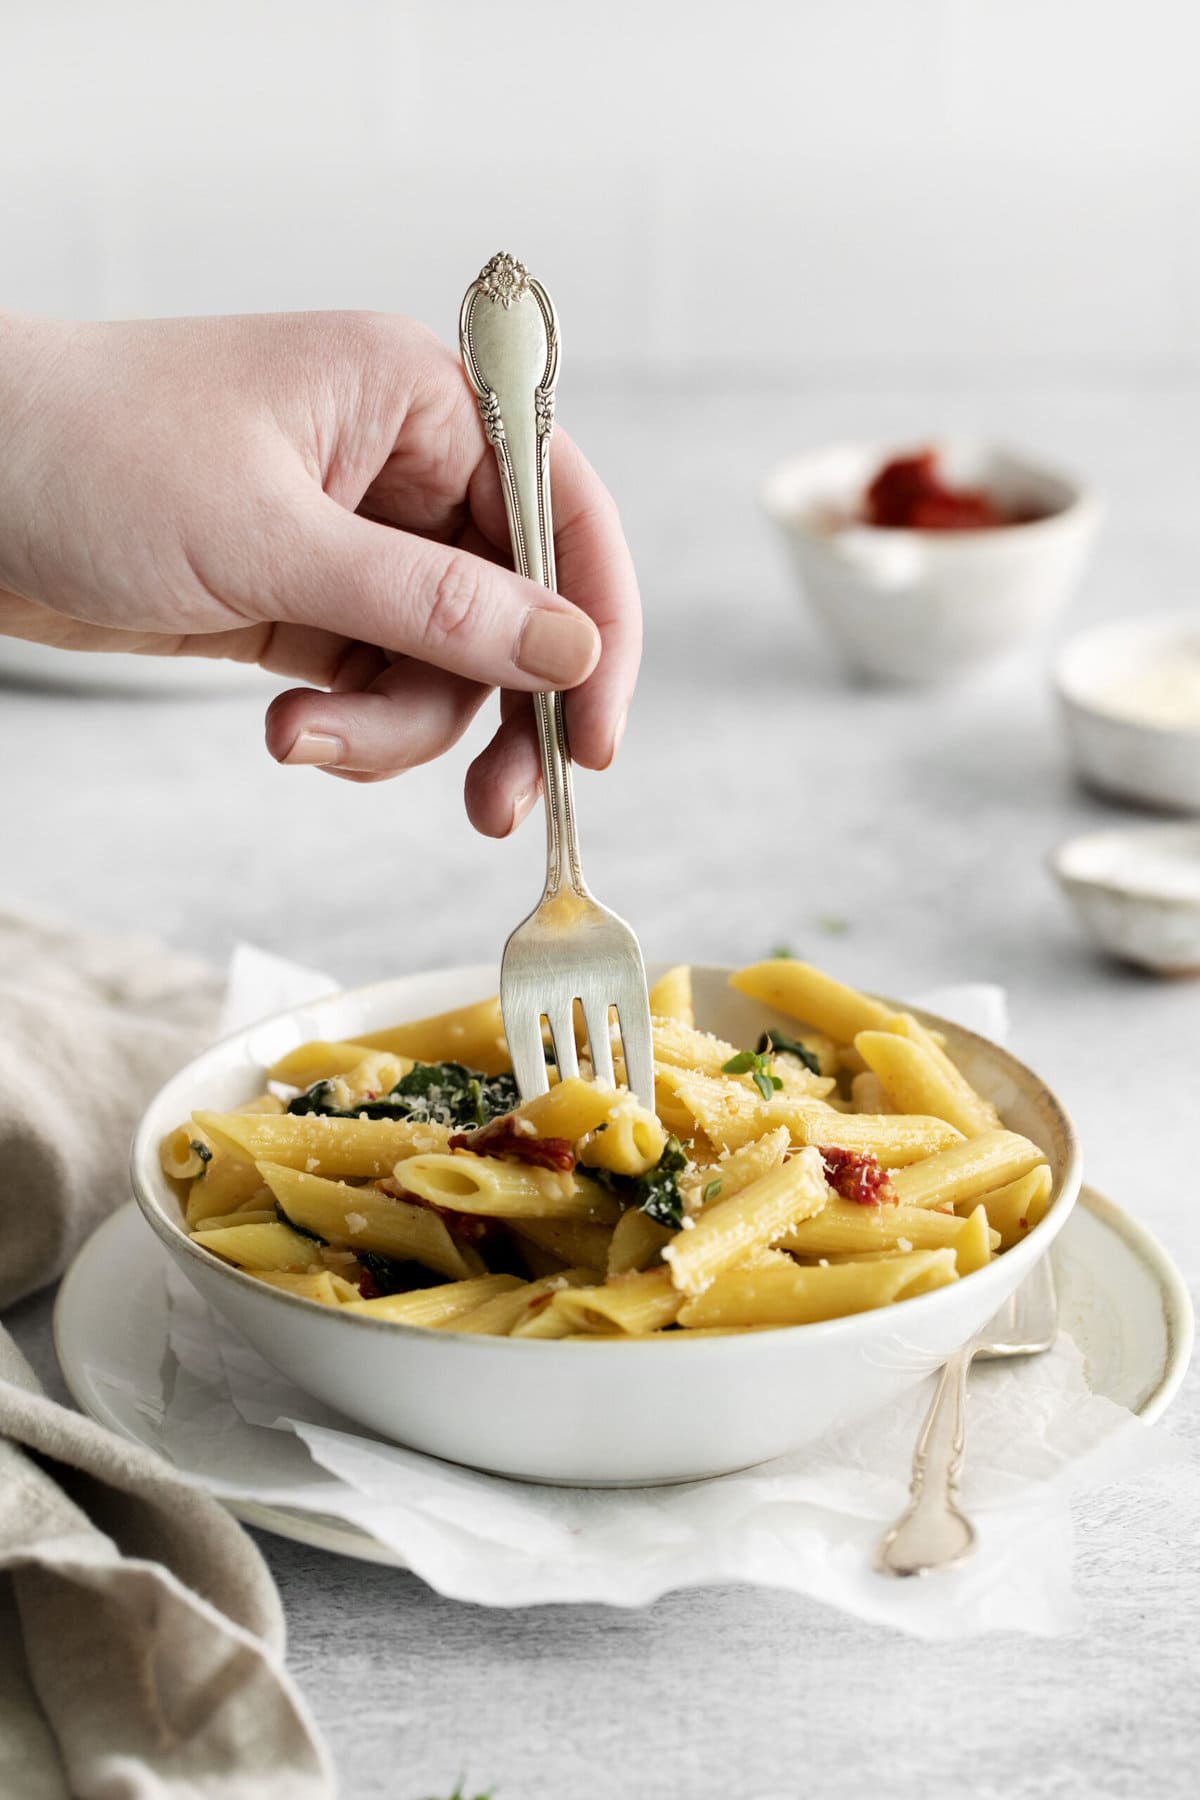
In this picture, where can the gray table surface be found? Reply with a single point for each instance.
(758, 799)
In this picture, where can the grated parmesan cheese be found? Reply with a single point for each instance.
(356, 1222)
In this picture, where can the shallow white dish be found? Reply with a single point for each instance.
(609, 1412)
(1136, 891)
(1121, 1298)
(1115, 745)
(919, 606)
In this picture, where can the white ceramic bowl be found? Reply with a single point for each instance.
(920, 606)
(1136, 892)
(591, 1413)
(1099, 678)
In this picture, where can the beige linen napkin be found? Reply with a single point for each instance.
(141, 1637)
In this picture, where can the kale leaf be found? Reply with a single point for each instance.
(445, 1092)
(785, 1046)
(657, 1192)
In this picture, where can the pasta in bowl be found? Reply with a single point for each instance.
(832, 1194)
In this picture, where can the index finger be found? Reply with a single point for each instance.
(595, 573)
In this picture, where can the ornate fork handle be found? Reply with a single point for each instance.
(933, 1533)
(509, 335)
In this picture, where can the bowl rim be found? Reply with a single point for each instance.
(1073, 881)
(1084, 503)
(144, 1155)
(1075, 695)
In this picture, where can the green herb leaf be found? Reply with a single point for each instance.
(711, 1191)
(782, 953)
(832, 924)
(657, 1192)
(758, 1066)
(302, 1229)
(446, 1092)
(776, 1042)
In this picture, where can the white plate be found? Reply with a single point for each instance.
(1122, 1300)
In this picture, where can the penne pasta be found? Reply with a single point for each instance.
(436, 1306)
(274, 1246)
(637, 1241)
(1014, 1209)
(472, 1035)
(779, 1294)
(671, 995)
(630, 1304)
(363, 1218)
(913, 1075)
(756, 1218)
(843, 1166)
(484, 1184)
(316, 1060)
(322, 1145)
(966, 1170)
(804, 993)
(500, 1316)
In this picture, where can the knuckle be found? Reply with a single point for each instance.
(453, 603)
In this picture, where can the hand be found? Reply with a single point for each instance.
(314, 493)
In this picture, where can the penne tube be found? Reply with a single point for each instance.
(317, 1060)
(435, 1306)
(845, 1226)
(228, 1182)
(261, 1103)
(729, 1112)
(472, 1035)
(1017, 1207)
(973, 1246)
(485, 1184)
(804, 993)
(259, 1215)
(630, 1305)
(572, 1242)
(867, 1094)
(184, 1153)
(711, 1183)
(914, 1077)
(783, 1294)
(671, 995)
(500, 1316)
(363, 1218)
(376, 1073)
(326, 1288)
(322, 1145)
(636, 1243)
(684, 1047)
(934, 1045)
(895, 1139)
(274, 1246)
(966, 1170)
(756, 1218)
(627, 1139)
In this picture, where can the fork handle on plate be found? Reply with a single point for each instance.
(509, 337)
(933, 1533)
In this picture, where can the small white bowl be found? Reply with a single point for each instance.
(1136, 891)
(609, 1412)
(1124, 693)
(919, 606)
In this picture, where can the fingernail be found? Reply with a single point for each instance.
(557, 647)
(316, 747)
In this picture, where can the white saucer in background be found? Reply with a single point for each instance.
(1122, 1301)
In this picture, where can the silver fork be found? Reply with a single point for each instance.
(570, 947)
(933, 1533)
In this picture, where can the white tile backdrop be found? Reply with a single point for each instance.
(958, 187)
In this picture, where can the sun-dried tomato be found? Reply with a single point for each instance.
(856, 1175)
(500, 1137)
